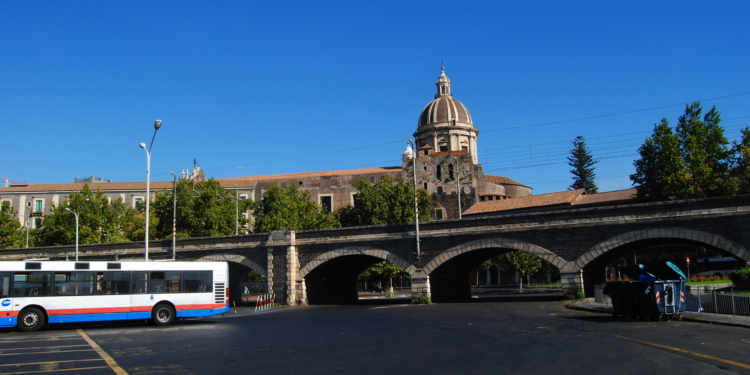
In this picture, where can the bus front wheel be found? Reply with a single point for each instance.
(162, 315)
(30, 320)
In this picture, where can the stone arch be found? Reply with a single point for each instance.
(498, 243)
(678, 233)
(235, 259)
(357, 250)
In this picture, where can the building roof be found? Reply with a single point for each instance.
(444, 109)
(500, 180)
(541, 200)
(106, 186)
(577, 197)
(608, 197)
(345, 172)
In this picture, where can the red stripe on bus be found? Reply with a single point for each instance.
(109, 310)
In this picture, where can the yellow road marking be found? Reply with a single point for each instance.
(48, 352)
(56, 370)
(738, 364)
(44, 363)
(110, 361)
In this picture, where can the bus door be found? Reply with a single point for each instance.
(6, 303)
(141, 300)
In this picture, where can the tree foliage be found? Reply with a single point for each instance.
(11, 232)
(99, 221)
(385, 270)
(660, 172)
(692, 162)
(385, 202)
(741, 163)
(705, 153)
(524, 263)
(290, 209)
(204, 209)
(582, 162)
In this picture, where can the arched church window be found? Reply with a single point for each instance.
(450, 171)
(439, 172)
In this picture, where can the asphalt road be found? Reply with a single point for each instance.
(512, 334)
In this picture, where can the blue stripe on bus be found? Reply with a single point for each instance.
(199, 313)
(12, 322)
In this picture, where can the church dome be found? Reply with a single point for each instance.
(444, 109)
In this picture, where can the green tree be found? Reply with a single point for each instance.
(583, 166)
(204, 209)
(99, 221)
(387, 270)
(385, 202)
(705, 153)
(660, 173)
(524, 263)
(11, 232)
(741, 163)
(289, 209)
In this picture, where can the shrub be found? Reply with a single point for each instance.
(580, 295)
(422, 299)
(741, 277)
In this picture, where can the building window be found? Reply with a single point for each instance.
(443, 148)
(439, 172)
(425, 186)
(439, 190)
(353, 198)
(300, 183)
(465, 148)
(38, 205)
(450, 171)
(425, 152)
(326, 201)
(243, 197)
(438, 214)
(138, 202)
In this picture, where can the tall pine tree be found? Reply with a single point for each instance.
(583, 166)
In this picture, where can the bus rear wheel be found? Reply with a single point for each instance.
(30, 320)
(162, 315)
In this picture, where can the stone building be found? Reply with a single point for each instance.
(446, 157)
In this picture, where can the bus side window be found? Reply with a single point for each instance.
(140, 282)
(113, 282)
(198, 281)
(32, 284)
(4, 285)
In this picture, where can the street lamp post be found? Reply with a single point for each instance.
(236, 210)
(458, 184)
(416, 205)
(76, 215)
(28, 223)
(157, 125)
(174, 215)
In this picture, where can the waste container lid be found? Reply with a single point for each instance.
(661, 271)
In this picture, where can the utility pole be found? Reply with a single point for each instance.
(416, 205)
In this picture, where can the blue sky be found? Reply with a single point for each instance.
(242, 85)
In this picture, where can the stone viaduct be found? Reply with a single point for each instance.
(321, 266)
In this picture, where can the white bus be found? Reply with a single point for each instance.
(36, 293)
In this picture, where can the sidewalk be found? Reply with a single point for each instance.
(588, 304)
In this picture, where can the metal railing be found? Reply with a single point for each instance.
(708, 299)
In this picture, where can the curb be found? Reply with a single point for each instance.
(687, 316)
